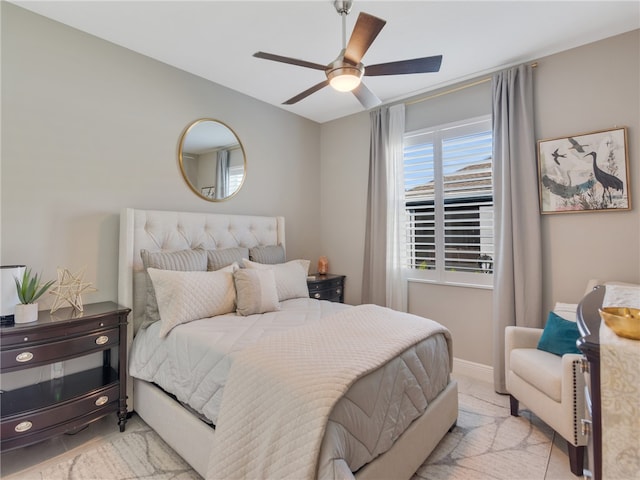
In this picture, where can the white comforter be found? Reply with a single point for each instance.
(193, 363)
(282, 389)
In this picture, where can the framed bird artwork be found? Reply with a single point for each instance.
(584, 173)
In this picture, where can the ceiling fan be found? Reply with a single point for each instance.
(345, 72)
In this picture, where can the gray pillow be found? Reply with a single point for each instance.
(217, 259)
(269, 254)
(256, 291)
(181, 260)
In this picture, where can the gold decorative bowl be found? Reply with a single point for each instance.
(624, 321)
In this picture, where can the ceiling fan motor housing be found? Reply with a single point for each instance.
(342, 68)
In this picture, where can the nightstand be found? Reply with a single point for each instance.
(36, 412)
(326, 287)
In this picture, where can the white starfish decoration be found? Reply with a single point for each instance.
(69, 288)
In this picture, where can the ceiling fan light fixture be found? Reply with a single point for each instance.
(345, 78)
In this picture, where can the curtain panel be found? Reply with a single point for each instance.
(517, 294)
(383, 279)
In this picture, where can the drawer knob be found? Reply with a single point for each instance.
(24, 357)
(102, 339)
(102, 400)
(316, 295)
(23, 426)
(338, 291)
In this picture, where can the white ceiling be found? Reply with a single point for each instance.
(216, 40)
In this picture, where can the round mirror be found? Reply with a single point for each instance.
(212, 160)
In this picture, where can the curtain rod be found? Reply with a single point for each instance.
(456, 89)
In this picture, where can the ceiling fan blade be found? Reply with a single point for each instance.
(364, 33)
(289, 60)
(366, 97)
(416, 65)
(306, 93)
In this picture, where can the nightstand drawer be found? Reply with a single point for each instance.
(34, 422)
(28, 355)
(326, 287)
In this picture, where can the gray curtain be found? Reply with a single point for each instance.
(517, 293)
(222, 174)
(375, 242)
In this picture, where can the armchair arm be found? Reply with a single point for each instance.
(521, 337)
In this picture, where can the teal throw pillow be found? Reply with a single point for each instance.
(559, 336)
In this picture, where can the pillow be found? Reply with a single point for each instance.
(559, 336)
(566, 310)
(182, 260)
(217, 259)
(291, 277)
(269, 254)
(256, 291)
(186, 296)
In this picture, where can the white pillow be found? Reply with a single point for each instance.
(256, 291)
(566, 310)
(187, 296)
(291, 277)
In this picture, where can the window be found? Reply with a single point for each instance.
(449, 202)
(236, 175)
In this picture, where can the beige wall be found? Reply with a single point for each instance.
(89, 127)
(585, 89)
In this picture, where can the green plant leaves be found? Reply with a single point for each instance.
(29, 288)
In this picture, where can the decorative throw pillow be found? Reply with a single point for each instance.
(269, 254)
(291, 277)
(181, 260)
(255, 291)
(559, 336)
(186, 296)
(566, 310)
(217, 259)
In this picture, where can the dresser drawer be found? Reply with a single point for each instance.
(21, 335)
(27, 355)
(31, 423)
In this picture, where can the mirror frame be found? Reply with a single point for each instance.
(193, 188)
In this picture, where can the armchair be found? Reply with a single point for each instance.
(551, 386)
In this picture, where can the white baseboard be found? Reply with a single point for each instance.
(473, 370)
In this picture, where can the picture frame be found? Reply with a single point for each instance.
(208, 192)
(581, 173)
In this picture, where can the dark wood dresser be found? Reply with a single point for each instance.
(36, 412)
(589, 320)
(326, 287)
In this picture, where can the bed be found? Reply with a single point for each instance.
(199, 426)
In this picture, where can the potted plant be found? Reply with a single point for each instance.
(29, 289)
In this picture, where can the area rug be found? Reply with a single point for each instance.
(140, 454)
(487, 443)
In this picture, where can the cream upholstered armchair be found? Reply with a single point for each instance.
(551, 386)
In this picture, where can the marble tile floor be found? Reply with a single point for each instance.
(24, 463)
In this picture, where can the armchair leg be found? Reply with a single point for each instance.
(576, 458)
(513, 401)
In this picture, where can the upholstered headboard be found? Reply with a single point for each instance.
(168, 231)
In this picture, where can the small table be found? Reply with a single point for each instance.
(326, 286)
(36, 412)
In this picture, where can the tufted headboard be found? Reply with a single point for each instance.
(156, 231)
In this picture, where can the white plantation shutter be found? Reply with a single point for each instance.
(449, 201)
